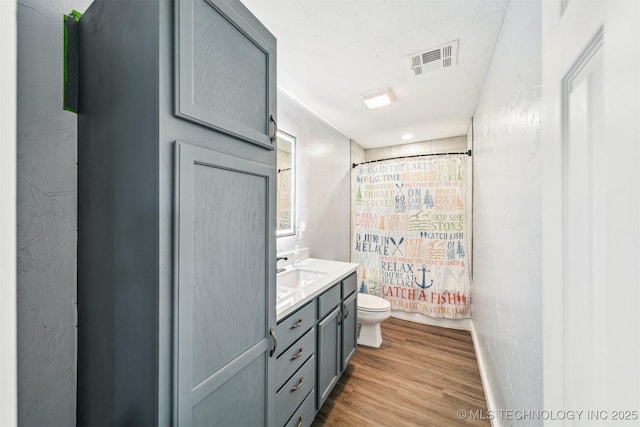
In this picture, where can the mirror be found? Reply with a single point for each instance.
(285, 182)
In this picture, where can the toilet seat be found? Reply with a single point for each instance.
(372, 303)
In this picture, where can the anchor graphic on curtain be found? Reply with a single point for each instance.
(424, 285)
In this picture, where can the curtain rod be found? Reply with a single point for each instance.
(468, 153)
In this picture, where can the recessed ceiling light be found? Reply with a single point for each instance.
(378, 98)
(407, 136)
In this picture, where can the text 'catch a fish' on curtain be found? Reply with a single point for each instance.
(410, 234)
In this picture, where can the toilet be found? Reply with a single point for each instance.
(371, 311)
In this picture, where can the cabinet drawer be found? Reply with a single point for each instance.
(294, 391)
(328, 301)
(349, 285)
(294, 326)
(291, 359)
(305, 414)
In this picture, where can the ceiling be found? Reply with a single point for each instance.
(331, 52)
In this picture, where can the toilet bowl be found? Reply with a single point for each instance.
(371, 311)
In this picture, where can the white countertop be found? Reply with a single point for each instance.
(289, 300)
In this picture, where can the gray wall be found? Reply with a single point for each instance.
(507, 221)
(323, 181)
(46, 210)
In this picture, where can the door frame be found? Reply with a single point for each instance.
(8, 221)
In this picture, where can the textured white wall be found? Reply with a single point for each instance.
(8, 348)
(323, 183)
(507, 222)
(46, 224)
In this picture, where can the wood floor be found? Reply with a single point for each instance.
(421, 376)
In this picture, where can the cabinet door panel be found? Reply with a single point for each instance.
(328, 352)
(224, 407)
(349, 329)
(224, 305)
(225, 69)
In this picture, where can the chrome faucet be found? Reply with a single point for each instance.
(281, 269)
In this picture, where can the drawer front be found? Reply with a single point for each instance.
(349, 285)
(328, 301)
(305, 414)
(290, 360)
(294, 391)
(294, 326)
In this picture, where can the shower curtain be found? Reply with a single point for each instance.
(410, 234)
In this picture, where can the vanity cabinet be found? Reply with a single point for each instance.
(296, 368)
(321, 334)
(176, 215)
(337, 334)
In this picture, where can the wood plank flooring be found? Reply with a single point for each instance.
(420, 376)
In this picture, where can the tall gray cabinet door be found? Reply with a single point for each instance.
(225, 69)
(224, 289)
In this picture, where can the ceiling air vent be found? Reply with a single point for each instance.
(444, 56)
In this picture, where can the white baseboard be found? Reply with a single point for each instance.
(464, 324)
(484, 376)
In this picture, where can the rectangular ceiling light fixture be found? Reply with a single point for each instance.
(378, 98)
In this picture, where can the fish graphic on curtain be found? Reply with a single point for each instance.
(410, 234)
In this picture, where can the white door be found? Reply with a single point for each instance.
(591, 220)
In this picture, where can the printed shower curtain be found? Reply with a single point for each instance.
(410, 234)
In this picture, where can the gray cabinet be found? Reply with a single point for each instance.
(337, 334)
(328, 350)
(334, 334)
(349, 320)
(296, 367)
(304, 415)
(222, 307)
(294, 391)
(225, 70)
(176, 215)
(349, 329)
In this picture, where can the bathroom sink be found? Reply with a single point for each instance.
(298, 278)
